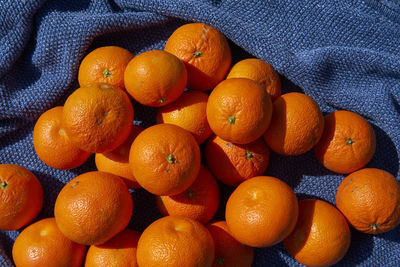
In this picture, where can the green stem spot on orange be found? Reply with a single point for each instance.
(75, 184)
(231, 119)
(3, 185)
(190, 193)
(170, 158)
(374, 226)
(249, 155)
(220, 260)
(197, 53)
(349, 141)
(161, 100)
(106, 73)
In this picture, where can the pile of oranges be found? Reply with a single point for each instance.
(239, 114)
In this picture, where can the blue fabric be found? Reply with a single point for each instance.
(344, 54)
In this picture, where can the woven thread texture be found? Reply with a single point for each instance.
(344, 54)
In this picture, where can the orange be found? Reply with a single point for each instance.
(52, 144)
(188, 112)
(118, 251)
(261, 211)
(234, 163)
(321, 236)
(175, 241)
(297, 124)
(239, 110)
(260, 72)
(199, 202)
(117, 160)
(98, 118)
(155, 78)
(21, 196)
(347, 143)
(228, 251)
(106, 65)
(42, 244)
(165, 159)
(370, 200)
(93, 207)
(205, 52)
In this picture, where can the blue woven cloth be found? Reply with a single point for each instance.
(344, 54)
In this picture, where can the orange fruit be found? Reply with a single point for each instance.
(43, 244)
(261, 211)
(21, 196)
(199, 202)
(117, 160)
(205, 52)
(52, 144)
(93, 207)
(105, 65)
(228, 251)
(175, 241)
(297, 124)
(239, 110)
(155, 78)
(234, 163)
(188, 112)
(259, 71)
(347, 143)
(370, 200)
(98, 118)
(118, 251)
(165, 159)
(321, 236)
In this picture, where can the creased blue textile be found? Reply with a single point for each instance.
(344, 54)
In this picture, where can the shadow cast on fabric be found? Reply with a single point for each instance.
(23, 67)
(66, 6)
(144, 116)
(291, 169)
(302, 196)
(64, 94)
(269, 255)
(51, 188)
(8, 126)
(19, 128)
(7, 243)
(216, 3)
(225, 192)
(238, 53)
(88, 166)
(361, 247)
(392, 235)
(288, 86)
(395, 102)
(145, 210)
(386, 156)
(114, 6)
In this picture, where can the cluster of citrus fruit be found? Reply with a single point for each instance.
(242, 117)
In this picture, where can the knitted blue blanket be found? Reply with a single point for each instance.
(344, 54)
